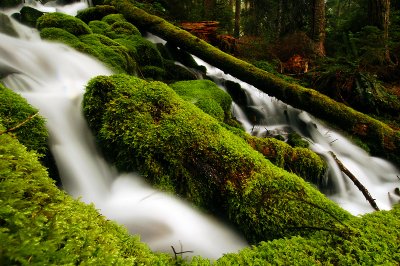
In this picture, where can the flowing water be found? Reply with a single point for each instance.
(52, 78)
(270, 116)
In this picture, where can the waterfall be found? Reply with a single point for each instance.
(275, 117)
(52, 78)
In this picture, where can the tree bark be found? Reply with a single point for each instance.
(318, 23)
(238, 7)
(378, 13)
(382, 140)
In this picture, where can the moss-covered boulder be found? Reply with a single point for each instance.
(112, 18)
(14, 111)
(147, 126)
(95, 13)
(29, 16)
(63, 21)
(42, 225)
(206, 95)
(175, 72)
(110, 52)
(99, 27)
(122, 29)
(6, 26)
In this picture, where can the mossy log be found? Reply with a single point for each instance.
(177, 147)
(382, 140)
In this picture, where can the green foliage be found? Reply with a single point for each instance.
(206, 95)
(147, 126)
(345, 81)
(14, 110)
(42, 225)
(63, 21)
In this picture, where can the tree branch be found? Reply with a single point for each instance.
(355, 181)
(20, 124)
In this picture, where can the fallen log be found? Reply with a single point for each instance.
(356, 182)
(382, 140)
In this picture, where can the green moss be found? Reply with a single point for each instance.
(147, 126)
(112, 18)
(121, 30)
(63, 21)
(376, 243)
(152, 72)
(14, 110)
(41, 225)
(300, 161)
(99, 27)
(206, 95)
(295, 140)
(95, 13)
(59, 35)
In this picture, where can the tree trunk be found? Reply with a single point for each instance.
(382, 140)
(209, 6)
(238, 7)
(378, 14)
(318, 27)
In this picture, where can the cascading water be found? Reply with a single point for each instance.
(52, 78)
(270, 116)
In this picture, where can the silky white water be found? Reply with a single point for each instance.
(52, 78)
(275, 117)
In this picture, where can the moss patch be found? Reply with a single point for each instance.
(63, 21)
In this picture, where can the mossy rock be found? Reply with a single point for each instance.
(147, 126)
(6, 26)
(175, 72)
(110, 52)
(42, 225)
(121, 29)
(29, 16)
(63, 21)
(59, 35)
(183, 57)
(194, 90)
(14, 110)
(295, 140)
(237, 93)
(301, 161)
(95, 13)
(10, 3)
(146, 52)
(98, 27)
(112, 18)
(152, 73)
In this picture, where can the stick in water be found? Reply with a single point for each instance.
(355, 181)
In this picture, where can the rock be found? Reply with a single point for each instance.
(29, 16)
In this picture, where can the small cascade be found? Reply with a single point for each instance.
(52, 78)
(264, 115)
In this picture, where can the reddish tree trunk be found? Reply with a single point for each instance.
(318, 23)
